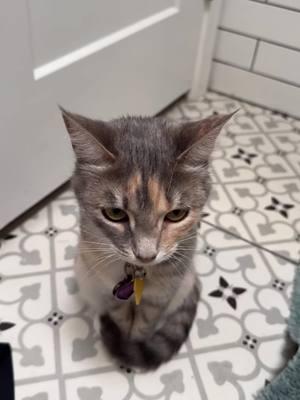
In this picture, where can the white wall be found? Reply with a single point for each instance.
(257, 55)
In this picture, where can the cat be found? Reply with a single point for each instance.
(141, 183)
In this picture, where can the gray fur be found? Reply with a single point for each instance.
(147, 167)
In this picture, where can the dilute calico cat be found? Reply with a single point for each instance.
(141, 184)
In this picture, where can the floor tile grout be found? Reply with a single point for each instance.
(54, 299)
(254, 244)
(196, 373)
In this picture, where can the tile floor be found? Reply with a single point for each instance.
(247, 251)
(256, 171)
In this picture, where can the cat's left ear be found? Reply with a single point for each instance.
(196, 141)
(92, 140)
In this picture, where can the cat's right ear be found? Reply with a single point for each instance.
(92, 141)
(196, 141)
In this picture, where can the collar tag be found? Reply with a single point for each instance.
(132, 283)
(138, 287)
(124, 289)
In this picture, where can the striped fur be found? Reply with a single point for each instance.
(158, 346)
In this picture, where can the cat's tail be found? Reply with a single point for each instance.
(150, 353)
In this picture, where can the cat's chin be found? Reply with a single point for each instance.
(134, 261)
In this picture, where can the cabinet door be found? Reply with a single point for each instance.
(100, 58)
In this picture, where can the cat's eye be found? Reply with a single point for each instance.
(176, 215)
(115, 214)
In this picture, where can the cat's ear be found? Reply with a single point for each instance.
(196, 141)
(92, 140)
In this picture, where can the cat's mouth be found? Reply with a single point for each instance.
(140, 263)
(159, 258)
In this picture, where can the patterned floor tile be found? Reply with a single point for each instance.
(236, 340)
(48, 390)
(234, 346)
(225, 372)
(174, 380)
(25, 250)
(256, 170)
(25, 304)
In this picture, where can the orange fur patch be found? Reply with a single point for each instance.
(157, 196)
(174, 232)
(133, 185)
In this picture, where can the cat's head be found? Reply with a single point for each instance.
(141, 182)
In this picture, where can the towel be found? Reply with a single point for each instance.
(286, 386)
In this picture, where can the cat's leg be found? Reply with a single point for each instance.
(146, 318)
(89, 286)
(149, 351)
(122, 314)
(135, 322)
(96, 287)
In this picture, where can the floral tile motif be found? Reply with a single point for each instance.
(256, 171)
(173, 380)
(46, 390)
(235, 343)
(241, 316)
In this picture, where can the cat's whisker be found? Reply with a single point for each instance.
(188, 238)
(183, 260)
(89, 246)
(186, 254)
(121, 254)
(106, 256)
(192, 235)
(82, 245)
(99, 243)
(185, 248)
(88, 273)
(89, 235)
(178, 270)
(173, 260)
(185, 245)
(92, 246)
(108, 261)
(84, 231)
(93, 268)
(95, 248)
(94, 252)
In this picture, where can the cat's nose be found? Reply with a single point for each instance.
(145, 249)
(145, 258)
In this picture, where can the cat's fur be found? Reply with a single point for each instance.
(148, 167)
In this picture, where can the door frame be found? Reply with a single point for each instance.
(206, 47)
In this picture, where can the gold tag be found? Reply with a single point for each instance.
(138, 287)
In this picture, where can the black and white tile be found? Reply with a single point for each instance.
(256, 173)
(236, 340)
